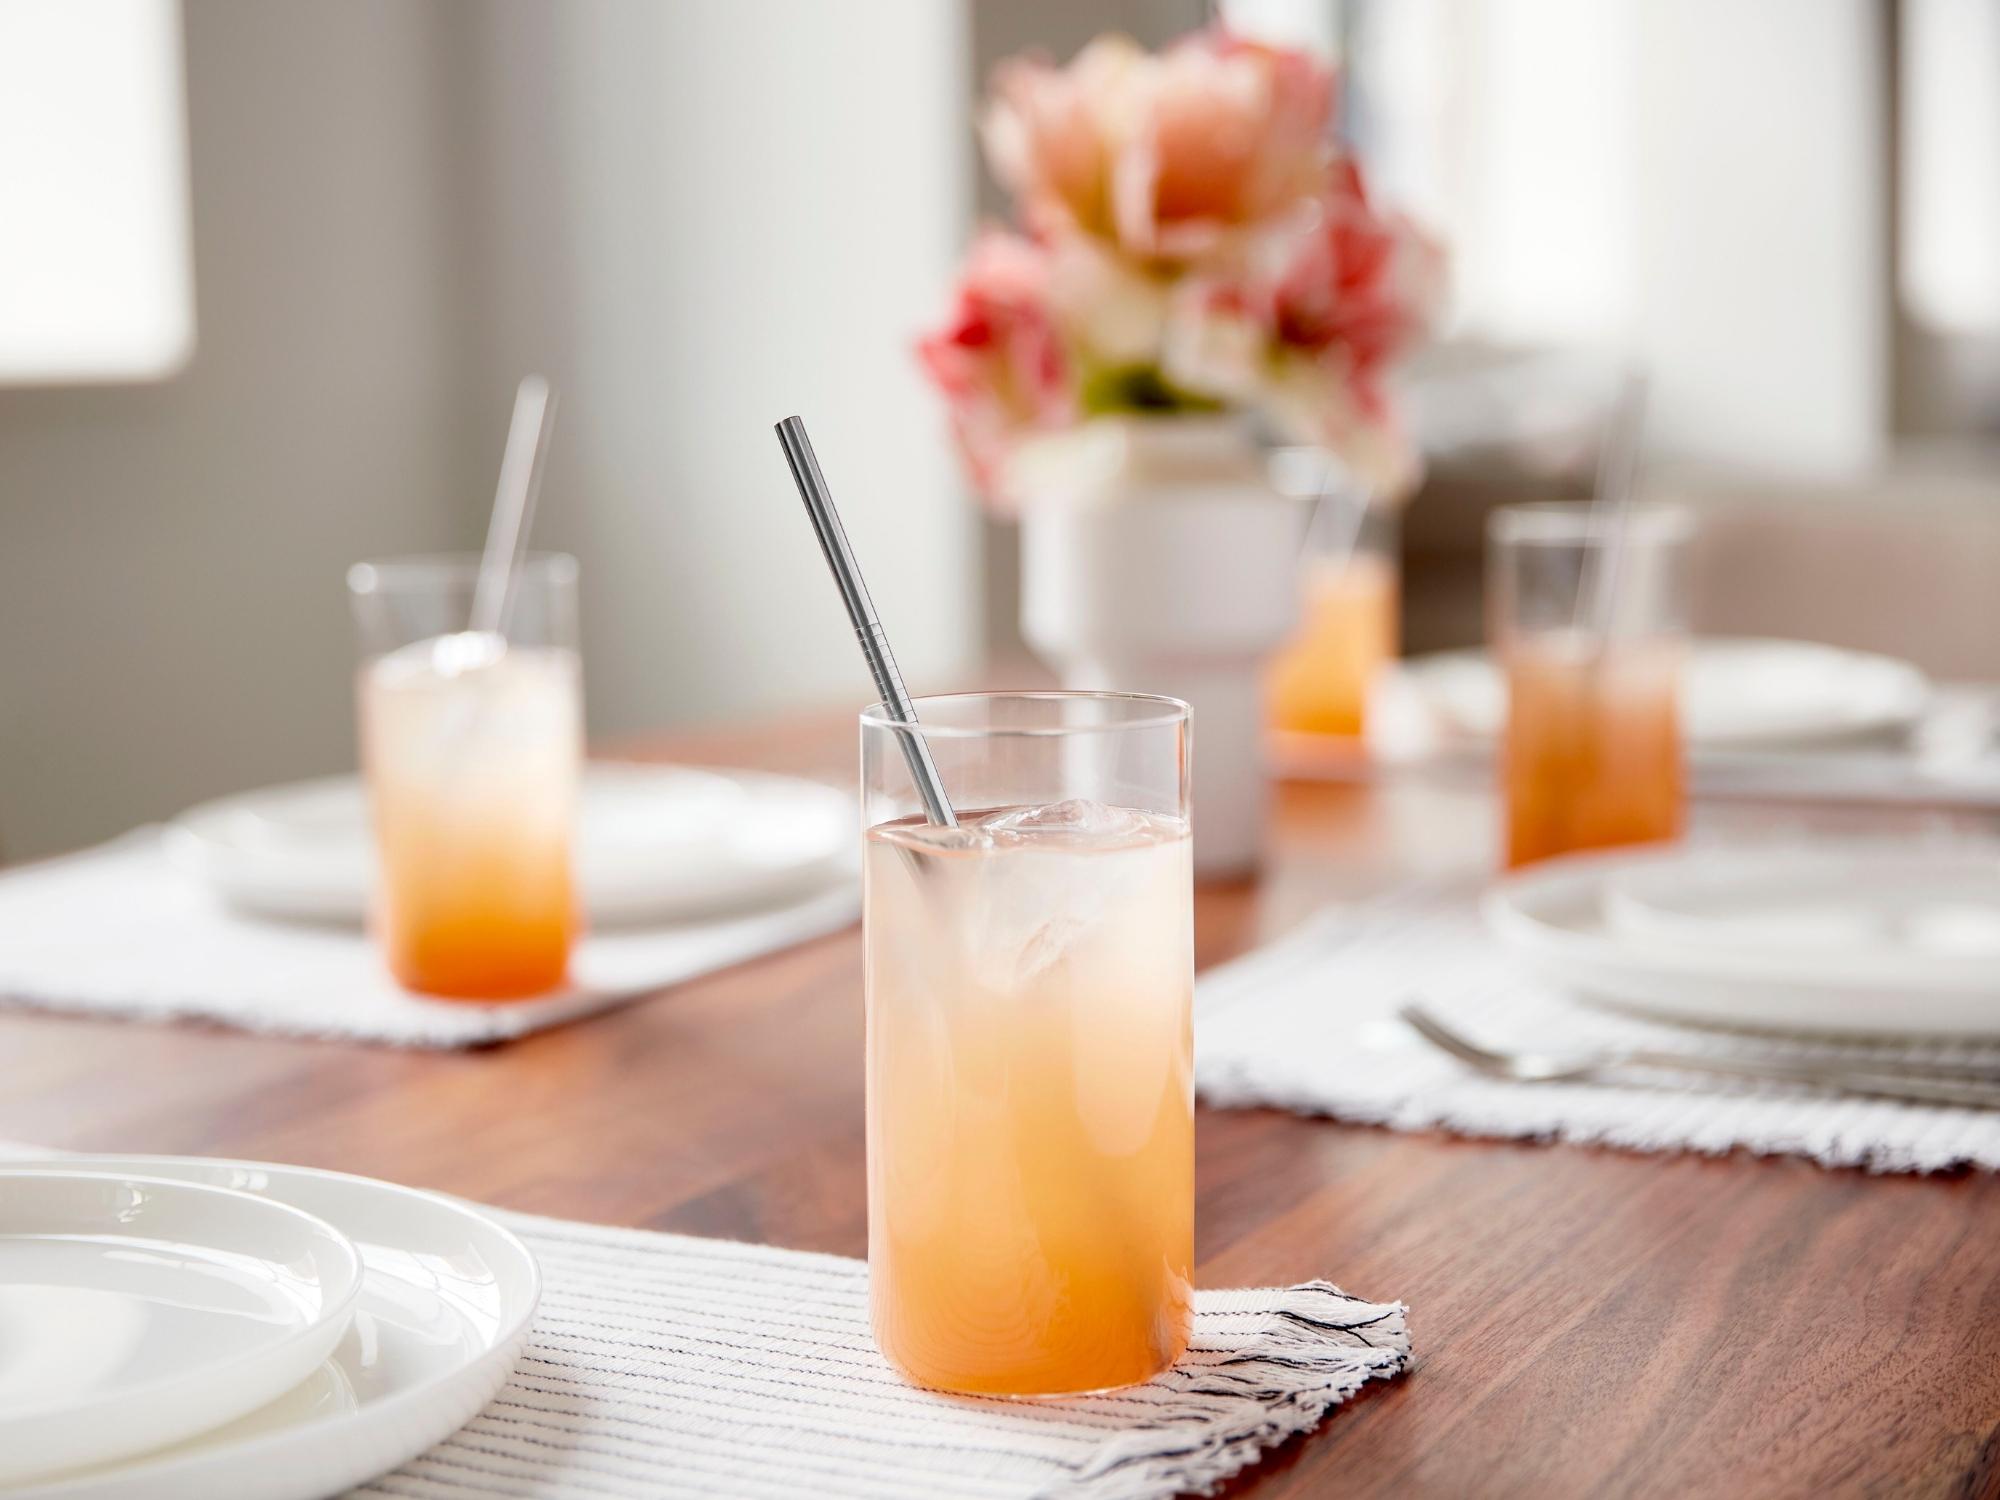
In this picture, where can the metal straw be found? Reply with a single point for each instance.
(861, 610)
(513, 505)
(1610, 517)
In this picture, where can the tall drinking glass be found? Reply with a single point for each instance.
(1320, 683)
(1591, 757)
(1030, 1087)
(471, 747)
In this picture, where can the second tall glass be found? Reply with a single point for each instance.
(1587, 618)
(1030, 1084)
(471, 746)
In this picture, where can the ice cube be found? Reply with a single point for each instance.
(1026, 913)
(1014, 891)
(1077, 817)
(1053, 874)
(967, 836)
(441, 659)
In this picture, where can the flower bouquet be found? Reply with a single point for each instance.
(1195, 243)
(1198, 267)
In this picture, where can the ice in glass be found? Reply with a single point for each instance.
(1030, 1089)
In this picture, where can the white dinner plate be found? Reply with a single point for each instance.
(136, 1311)
(654, 844)
(445, 1300)
(1890, 911)
(1738, 694)
(1849, 939)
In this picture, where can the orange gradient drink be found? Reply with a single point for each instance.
(1030, 975)
(1591, 758)
(471, 751)
(1587, 611)
(1320, 682)
(1030, 1114)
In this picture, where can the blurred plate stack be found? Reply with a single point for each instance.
(1764, 719)
(1862, 938)
(655, 844)
(1738, 694)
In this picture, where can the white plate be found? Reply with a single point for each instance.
(1641, 950)
(654, 844)
(1739, 694)
(1892, 911)
(135, 1312)
(445, 1302)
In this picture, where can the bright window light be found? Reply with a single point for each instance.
(1509, 127)
(96, 281)
(1951, 164)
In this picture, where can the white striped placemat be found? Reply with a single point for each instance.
(662, 1365)
(118, 931)
(1309, 1024)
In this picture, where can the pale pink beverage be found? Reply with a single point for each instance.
(472, 759)
(1030, 1105)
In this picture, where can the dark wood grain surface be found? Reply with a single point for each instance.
(1586, 1322)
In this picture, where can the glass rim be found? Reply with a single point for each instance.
(1164, 713)
(375, 575)
(1579, 523)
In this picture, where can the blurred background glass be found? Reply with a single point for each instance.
(1586, 612)
(471, 743)
(346, 231)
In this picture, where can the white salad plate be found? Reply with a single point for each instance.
(1888, 940)
(1738, 694)
(137, 1311)
(445, 1300)
(654, 844)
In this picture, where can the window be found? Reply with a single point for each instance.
(96, 279)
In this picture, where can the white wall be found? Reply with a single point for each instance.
(1700, 185)
(1763, 285)
(698, 217)
(172, 617)
(703, 217)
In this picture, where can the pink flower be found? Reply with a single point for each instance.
(1172, 158)
(1051, 133)
(1232, 140)
(1312, 332)
(1361, 289)
(1000, 361)
(1111, 311)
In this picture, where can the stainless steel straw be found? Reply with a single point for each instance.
(1610, 516)
(861, 610)
(514, 506)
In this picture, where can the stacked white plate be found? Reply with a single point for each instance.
(655, 844)
(1864, 938)
(1738, 694)
(179, 1329)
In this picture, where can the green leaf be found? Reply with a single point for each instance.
(1137, 388)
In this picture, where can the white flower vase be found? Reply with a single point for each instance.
(1169, 565)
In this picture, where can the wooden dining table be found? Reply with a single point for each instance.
(1585, 1321)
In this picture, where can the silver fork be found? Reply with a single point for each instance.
(1941, 1083)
